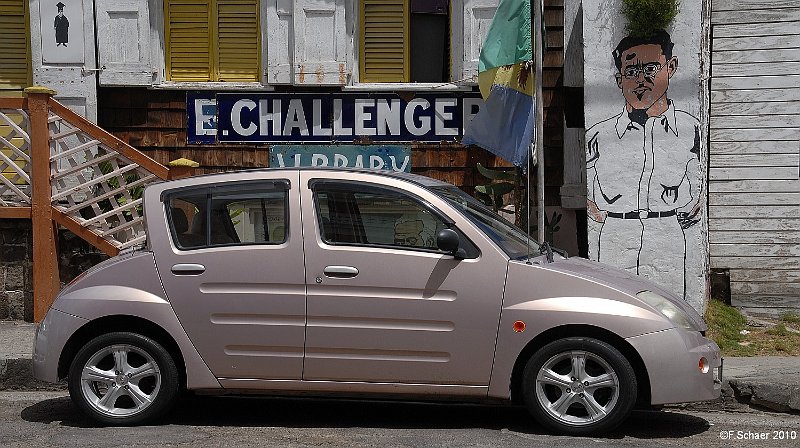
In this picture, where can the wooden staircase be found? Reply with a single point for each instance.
(58, 168)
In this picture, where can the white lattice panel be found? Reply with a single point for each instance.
(95, 185)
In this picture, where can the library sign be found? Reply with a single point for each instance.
(328, 117)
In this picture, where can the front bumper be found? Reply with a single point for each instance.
(672, 358)
(51, 337)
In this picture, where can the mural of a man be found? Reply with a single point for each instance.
(643, 167)
(61, 25)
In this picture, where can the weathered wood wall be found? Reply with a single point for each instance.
(754, 166)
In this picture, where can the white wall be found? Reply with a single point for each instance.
(653, 247)
(74, 82)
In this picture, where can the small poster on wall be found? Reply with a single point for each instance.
(62, 31)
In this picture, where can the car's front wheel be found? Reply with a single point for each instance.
(123, 379)
(579, 386)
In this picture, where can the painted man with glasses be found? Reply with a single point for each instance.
(643, 168)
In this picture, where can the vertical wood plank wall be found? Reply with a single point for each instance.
(754, 167)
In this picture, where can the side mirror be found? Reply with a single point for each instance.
(447, 240)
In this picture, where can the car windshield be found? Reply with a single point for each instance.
(510, 238)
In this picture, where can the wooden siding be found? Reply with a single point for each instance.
(754, 166)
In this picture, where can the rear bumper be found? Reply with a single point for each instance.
(51, 336)
(672, 358)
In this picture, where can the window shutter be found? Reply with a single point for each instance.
(123, 28)
(279, 28)
(384, 38)
(189, 29)
(14, 60)
(321, 42)
(237, 40)
(471, 23)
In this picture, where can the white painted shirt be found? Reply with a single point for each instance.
(654, 167)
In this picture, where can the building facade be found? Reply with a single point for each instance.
(130, 66)
(709, 184)
(391, 84)
(243, 84)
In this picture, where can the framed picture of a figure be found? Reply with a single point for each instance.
(62, 31)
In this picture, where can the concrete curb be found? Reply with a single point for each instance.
(16, 359)
(17, 374)
(772, 396)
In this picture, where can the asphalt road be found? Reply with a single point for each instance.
(34, 419)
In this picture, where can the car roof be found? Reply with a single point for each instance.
(409, 177)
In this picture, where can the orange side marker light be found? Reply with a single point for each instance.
(519, 326)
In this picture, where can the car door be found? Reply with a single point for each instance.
(383, 304)
(234, 275)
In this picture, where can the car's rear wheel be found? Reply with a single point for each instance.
(579, 386)
(123, 379)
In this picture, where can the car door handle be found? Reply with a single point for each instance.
(340, 271)
(188, 269)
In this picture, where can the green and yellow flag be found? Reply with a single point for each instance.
(505, 125)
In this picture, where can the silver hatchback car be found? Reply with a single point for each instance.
(345, 282)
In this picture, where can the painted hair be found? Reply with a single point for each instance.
(659, 37)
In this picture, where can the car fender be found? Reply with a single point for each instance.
(94, 302)
(556, 301)
(540, 316)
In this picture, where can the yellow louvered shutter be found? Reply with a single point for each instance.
(189, 28)
(213, 40)
(238, 43)
(384, 36)
(14, 60)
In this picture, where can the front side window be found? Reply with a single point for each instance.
(510, 238)
(224, 216)
(212, 40)
(375, 216)
(391, 28)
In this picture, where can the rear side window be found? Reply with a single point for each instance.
(229, 215)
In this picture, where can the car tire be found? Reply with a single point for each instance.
(123, 379)
(579, 386)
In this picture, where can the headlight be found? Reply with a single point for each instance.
(667, 308)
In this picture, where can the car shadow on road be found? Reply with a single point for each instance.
(237, 411)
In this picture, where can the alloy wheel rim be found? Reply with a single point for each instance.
(120, 380)
(577, 388)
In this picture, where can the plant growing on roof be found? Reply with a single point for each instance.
(647, 16)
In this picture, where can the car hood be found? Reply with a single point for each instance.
(622, 281)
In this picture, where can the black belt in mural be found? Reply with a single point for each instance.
(327, 117)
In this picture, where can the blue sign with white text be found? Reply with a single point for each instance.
(328, 117)
(379, 157)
